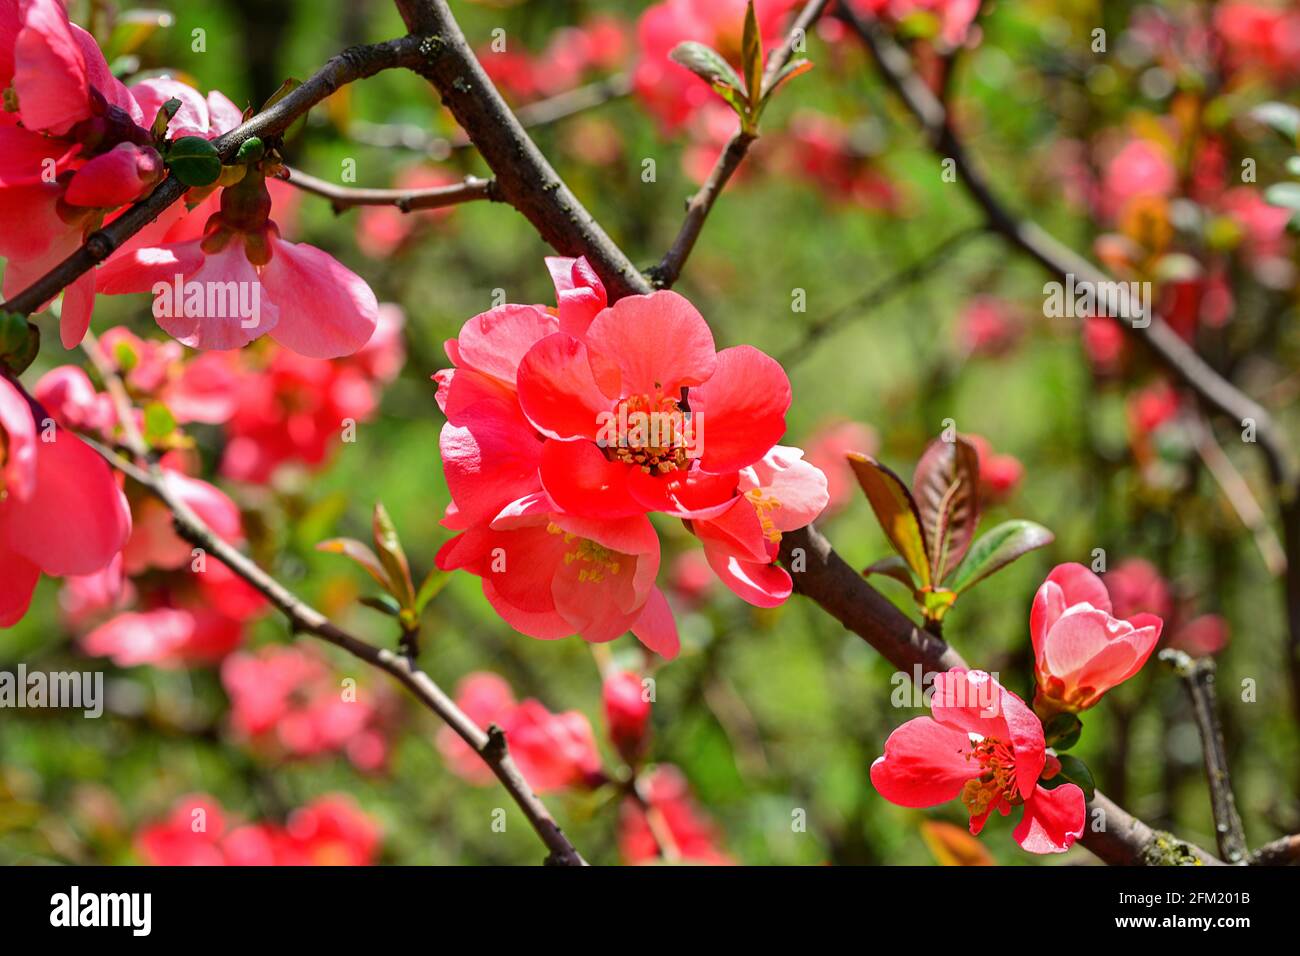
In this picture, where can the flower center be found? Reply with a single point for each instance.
(764, 504)
(997, 779)
(654, 434)
(597, 559)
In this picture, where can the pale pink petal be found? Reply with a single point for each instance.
(325, 309)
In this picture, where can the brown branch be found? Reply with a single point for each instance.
(491, 746)
(533, 115)
(524, 177)
(700, 204)
(1163, 342)
(352, 64)
(1281, 852)
(820, 574)
(1198, 677)
(407, 200)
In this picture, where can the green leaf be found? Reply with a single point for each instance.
(1281, 117)
(706, 63)
(163, 117)
(1075, 771)
(892, 567)
(132, 28)
(935, 602)
(896, 512)
(194, 161)
(434, 582)
(751, 57)
(788, 72)
(362, 555)
(1062, 731)
(383, 603)
(159, 423)
(250, 151)
(996, 549)
(946, 486)
(287, 87)
(1286, 195)
(20, 341)
(392, 556)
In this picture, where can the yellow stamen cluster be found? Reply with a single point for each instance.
(600, 559)
(996, 782)
(763, 505)
(656, 437)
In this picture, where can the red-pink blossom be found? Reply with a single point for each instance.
(61, 510)
(627, 713)
(953, 17)
(287, 701)
(984, 745)
(827, 447)
(1135, 586)
(553, 751)
(679, 831)
(1081, 650)
(989, 326)
(1000, 474)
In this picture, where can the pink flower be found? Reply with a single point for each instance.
(954, 17)
(61, 510)
(780, 493)
(1080, 649)
(679, 833)
(1135, 586)
(589, 396)
(302, 297)
(984, 745)
(287, 701)
(330, 831)
(627, 713)
(989, 327)
(999, 474)
(827, 448)
(382, 230)
(1141, 169)
(552, 751)
(1202, 636)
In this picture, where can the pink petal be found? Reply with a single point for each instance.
(1081, 586)
(222, 327)
(191, 119)
(558, 391)
(139, 270)
(326, 310)
(495, 342)
(25, 156)
(18, 578)
(656, 629)
(1053, 819)
(78, 305)
(50, 75)
(757, 583)
(490, 461)
(924, 764)
(223, 115)
(115, 178)
(1049, 605)
(578, 291)
(77, 518)
(691, 494)
(18, 431)
(743, 406)
(797, 487)
(581, 481)
(659, 342)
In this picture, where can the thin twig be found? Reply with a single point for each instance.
(665, 274)
(878, 295)
(1165, 344)
(533, 115)
(490, 746)
(407, 200)
(1113, 834)
(352, 64)
(1236, 490)
(1281, 852)
(1198, 678)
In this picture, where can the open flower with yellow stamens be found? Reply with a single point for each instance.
(984, 745)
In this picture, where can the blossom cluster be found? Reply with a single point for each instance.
(330, 831)
(77, 145)
(566, 427)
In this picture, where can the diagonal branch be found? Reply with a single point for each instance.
(491, 746)
(1198, 677)
(524, 177)
(1164, 343)
(407, 200)
(820, 574)
(699, 205)
(354, 63)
